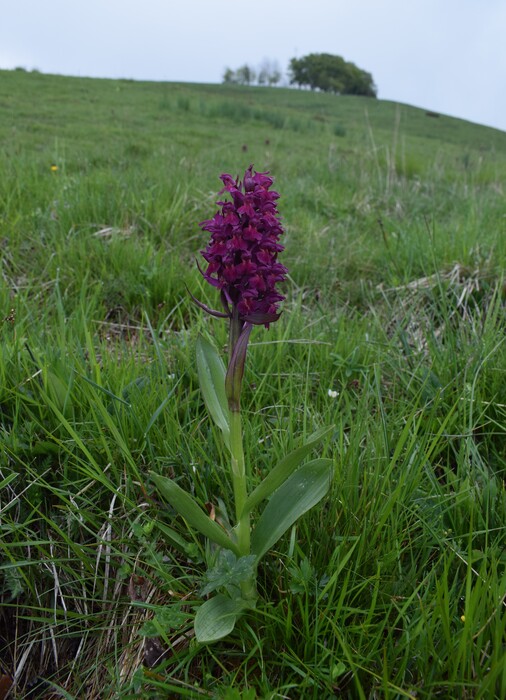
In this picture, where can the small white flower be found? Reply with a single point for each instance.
(172, 376)
(333, 393)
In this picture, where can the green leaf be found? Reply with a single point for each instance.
(282, 471)
(217, 617)
(58, 391)
(188, 507)
(337, 670)
(300, 492)
(211, 371)
(5, 482)
(189, 548)
(229, 571)
(167, 617)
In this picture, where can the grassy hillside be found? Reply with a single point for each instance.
(392, 332)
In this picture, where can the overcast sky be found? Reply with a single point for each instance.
(447, 56)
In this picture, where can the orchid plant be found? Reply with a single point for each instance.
(242, 264)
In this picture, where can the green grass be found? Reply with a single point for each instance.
(394, 586)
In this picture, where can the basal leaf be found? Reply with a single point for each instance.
(211, 371)
(188, 507)
(166, 617)
(283, 469)
(228, 571)
(300, 492)
(217, 617)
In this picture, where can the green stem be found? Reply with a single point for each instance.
(248, 588)
(239, 481)
(233, 384)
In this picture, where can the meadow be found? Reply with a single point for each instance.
(393, 332)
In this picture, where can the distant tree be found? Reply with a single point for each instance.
(359, 82)
(269, 73)
(245, 75)
(323, 71)
(274, 77)
(229, 76)
(297, 72)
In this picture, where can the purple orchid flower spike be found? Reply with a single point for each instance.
(242, 261)
(242, 253)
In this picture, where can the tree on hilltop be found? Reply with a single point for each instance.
(245, 75)
(323, 71)
(269, 73)
(229, 76)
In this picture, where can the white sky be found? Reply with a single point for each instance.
(447, 56)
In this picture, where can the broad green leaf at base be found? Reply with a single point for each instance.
(217, 617)
(229, 571)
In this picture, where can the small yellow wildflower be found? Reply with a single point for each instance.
(54, 168)
(463, 618)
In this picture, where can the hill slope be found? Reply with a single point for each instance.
(392, 333)
(51, 103)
